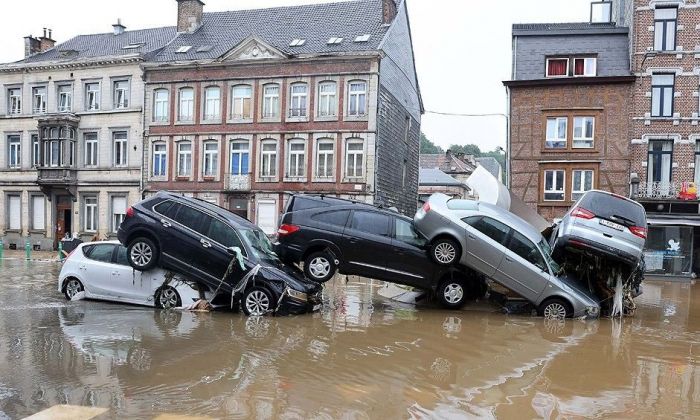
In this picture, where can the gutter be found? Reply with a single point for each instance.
(570, 81)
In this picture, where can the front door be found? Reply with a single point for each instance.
(239, 206)
(64, 219)
(366, 240)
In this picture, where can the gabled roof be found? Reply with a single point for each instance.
(490, 164)
(446, 163)
(435, 177)
(316, 24)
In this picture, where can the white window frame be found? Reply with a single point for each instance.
(65, 98)
(212, 104)
(210, 158)
(354, 98)
(659, 44)
(90, 204)
(93, 96)
(579, 189)
(38, 218)
(296, 159)
(39, 107)
(554, 189)
(120, 147)
(54, 156)
(121, 93)
(14, 198)
(185, 105)
(117, 218)
(546, 68)
(298, 101)
(583, 137)
(327, 101)
(14, 101)
(14, 144)
(91, 148)
(586, 60)
(184, 156)
(238, 101)
(548, 141)
(163, 154)
(327, 157)
(161, 106)
(352, 156)
(267, 170)
(271, 102)
(237, 154)
(36, 150)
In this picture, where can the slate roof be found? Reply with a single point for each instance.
(316, 23)
(435, 177)
(445, 163)
(570, 28)
(490, 164)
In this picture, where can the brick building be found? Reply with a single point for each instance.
(244, 108)
(569, 106)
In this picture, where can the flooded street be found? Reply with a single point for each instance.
(361, 357)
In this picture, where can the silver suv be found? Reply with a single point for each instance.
(603, 224)
(503, 247)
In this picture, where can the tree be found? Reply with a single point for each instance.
(467, 149)
(427, 147)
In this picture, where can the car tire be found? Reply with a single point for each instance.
(258, 301)
(445, 251)
(555, 308)
(72, 287)
(452, 293)
(142, 254)
(319, 267)
(167, 298)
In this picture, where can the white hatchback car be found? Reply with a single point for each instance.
(101, 270)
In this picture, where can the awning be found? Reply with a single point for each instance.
(677, 221)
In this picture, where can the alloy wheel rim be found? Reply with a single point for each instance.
(555, 311)
(168, 299)
(445, 253)
(257, 303)
(141, 254)
(453, 293)
(72, 288)
(320, 267)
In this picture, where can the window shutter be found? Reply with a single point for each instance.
(15, 213)
(119, 205)
(38, 213)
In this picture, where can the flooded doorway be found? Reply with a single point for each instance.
(64, 217)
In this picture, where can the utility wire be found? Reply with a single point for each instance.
(456, 114)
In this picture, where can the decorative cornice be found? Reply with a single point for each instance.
(53, 65)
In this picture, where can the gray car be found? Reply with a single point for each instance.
(504, 248)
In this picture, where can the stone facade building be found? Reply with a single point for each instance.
(244, 108)
(569, 106)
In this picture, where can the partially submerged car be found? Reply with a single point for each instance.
(217, 249)
(501, 246)
(101, 271)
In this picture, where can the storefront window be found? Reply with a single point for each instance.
(669, 250)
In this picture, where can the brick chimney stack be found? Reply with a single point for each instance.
(189, 15)
(389, 11)
(46, 41)
(36, 45)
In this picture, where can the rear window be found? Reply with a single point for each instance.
(607, 206)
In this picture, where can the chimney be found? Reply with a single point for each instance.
(189, 15)
(388, 11)
(46, 42)
(31, 46)
(118, 27)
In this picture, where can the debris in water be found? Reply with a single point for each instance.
(78, 296)
(617, 300)
(202, 305)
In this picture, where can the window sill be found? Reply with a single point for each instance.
(158, 179)
(294, 179)
(37, 231)
(184, 122)
(572, 150)
(109, 111)
(354, 181)
(356, 118)
(324, 180)
(160, 123)
(267, 179)
(183, 178)
(297, 119)
(211, 122)
(326, 118)
(563, 203)
(209, 179)
(240, 121)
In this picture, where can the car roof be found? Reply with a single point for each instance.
(235, 219)
(613, 195)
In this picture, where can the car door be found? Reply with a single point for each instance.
(125, 281)
(190, 245)
(523, 269)
(222, 236)
(97, 270)
(367, 244)
(408, 263)
(486, 238)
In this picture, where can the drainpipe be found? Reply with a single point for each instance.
(144, 153)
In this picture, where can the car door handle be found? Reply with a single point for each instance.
(509, 259)
(205, 244)
(165, 223)
(353, 241)
(472, 237)
(114, 273)
(82, 267)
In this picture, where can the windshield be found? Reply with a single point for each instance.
(259, 244)
(547, 251)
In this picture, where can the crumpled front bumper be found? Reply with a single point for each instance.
(292, 306)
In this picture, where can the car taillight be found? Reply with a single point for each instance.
(582, 213)
(130, 212)
(426, 207)
(285, 230)
(639, 231)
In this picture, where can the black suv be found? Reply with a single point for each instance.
(197, 240)
(330, 234)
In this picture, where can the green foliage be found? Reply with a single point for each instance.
(427, 147)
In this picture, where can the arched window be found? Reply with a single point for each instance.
(186, 108)
(327, 99)
(271, 100)
(161, 105)
(211, 158)
(268, 158)
(299, 94)
(357, 98)
(240, 157)
(241, 102)
(212, 103)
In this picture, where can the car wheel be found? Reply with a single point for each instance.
(445, 251)
(319, 267)
(452, 293)
(142, 254)
(73, 286)
(555, 308)
(258, 301)
(167, 298)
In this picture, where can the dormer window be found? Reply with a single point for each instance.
(601, 12)
(585, 67)
(571, 67)
(557, 67)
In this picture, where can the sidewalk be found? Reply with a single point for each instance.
(35, 255)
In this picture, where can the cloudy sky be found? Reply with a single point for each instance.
(462, 47)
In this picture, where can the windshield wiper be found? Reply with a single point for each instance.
(629, 222)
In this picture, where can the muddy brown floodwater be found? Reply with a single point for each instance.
(361, 357)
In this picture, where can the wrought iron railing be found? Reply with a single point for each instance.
(665, 190)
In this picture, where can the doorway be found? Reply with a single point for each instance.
(64, 217)
(239, 206)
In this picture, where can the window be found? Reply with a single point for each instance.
(271, 101)
(585, 67)
(160, 159)
(184, 159)
(65, 98)
(186, 112)
(241, 104)
(554, 185)
(525, 249)
(211, 158)
(325, 158)
(14, 212)
(161, 105)
(665, 28)
(193, 219)
(557, 67)
(121, 94)
(223, 234)
(354, 159)
(370, 222)
(102, 252)
(582, 182)
(357, 99)
(336, 218)
(35, 151)
(212, 103)
(659, 161)
(39, 100)
(406, 233)
(296, 158)
(14, 101)
(662, 95)
(38, 213)
(92, 96)
(120, 148)
(90, 214)
(268, 159)
(54, 153)
(14, 155)
(601, 12)
(121, 256)
(90, 149)
(239, 157)
(556, 133)
(118, 212)
(327, 99)
(584, 128)
(489, 227)
(299, 94)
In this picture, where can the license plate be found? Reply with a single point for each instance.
(317, 307)
(613, 225)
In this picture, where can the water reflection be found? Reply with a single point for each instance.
(361, 357)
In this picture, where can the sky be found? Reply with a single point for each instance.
(462, 47)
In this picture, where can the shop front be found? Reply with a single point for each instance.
(670, 250)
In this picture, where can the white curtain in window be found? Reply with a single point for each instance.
(15, 208)
(38, 213)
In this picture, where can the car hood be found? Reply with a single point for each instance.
(291, 276)
(574, 283)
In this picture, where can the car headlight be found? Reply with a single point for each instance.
(297, 295)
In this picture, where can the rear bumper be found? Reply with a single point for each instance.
(288, 252)
(578, 243)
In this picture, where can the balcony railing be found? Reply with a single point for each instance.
(668, 190)
(57, 176)
(237, 182)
